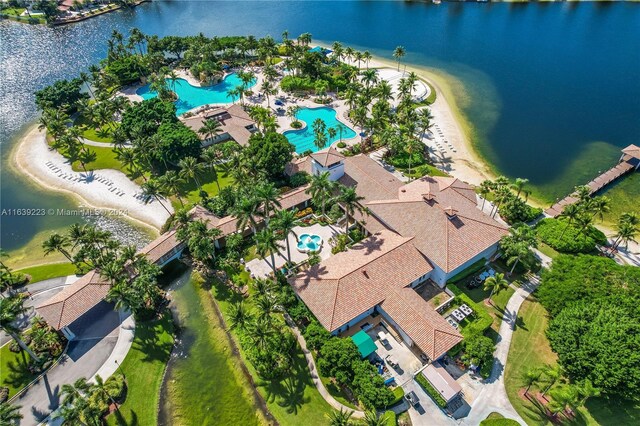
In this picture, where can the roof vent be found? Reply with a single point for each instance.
(428, 196)
(364, 272)
(451, 212)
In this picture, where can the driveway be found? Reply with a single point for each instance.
(40, 292)
(97, 334)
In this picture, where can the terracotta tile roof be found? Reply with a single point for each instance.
(233, 120)
(376, 272)
(371, 180)
(327, 157)
(74, 301)
(632, 150)
(443, 216)
(161, 246)
(298, 165)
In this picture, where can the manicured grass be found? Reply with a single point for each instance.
(530, 348)
(106, 159)
(548, 250)
(89, 132)
(14, 11)
(13, 370)
(294, 400)
(143, 368)
(496, 308)
(50, 270)
(208, 185)
(207, 385)
(337, 393)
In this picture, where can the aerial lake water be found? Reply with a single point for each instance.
(551, 90)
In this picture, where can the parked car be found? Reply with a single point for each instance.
(412, 398)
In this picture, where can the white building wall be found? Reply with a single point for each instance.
(486, 254)
(353, 322)
(335, 172)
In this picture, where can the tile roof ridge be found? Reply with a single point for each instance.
(406, 240)
(496, 224)
(335, 302)
(368, 174)
(162, 238)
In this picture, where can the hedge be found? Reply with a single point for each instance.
(482, 320)
(390, 418)
(398, 394)
(568, 238)
(475, 267)
(438, 399)
(499, 422)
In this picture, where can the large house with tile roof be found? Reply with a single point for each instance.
(428, 229)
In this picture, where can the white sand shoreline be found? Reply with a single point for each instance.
(49, 169)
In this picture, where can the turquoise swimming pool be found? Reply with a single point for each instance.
(190, 97)
(303, 138)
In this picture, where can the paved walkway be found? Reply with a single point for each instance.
(316, 377)
(493, 397)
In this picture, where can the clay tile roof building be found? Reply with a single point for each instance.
(166, 245)
(327, 157)
(235, 124)
(633, 151)
(371, 180)
(355, 282)
(74, 301)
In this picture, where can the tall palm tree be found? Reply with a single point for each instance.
(340, 418)
(245, 210)
(240, 316)
(599, 206)
(350, 200)
(486, 187)
(372, 418)
(267, 244)
(552, 374)
(411, 147)
(261, 332)
(210, 157)
(399, 53)
(285, 221)
(172, 184)
(625, 232)
(530, 377)
(153, 188)
(10, 414)
(496, 284)
(72, 393)
(570, 212)
(191, 169)
(518, 244)
(59, 243)
(11, 308)
(321, 189)
(267, 195)
(210, 128)
(518, 185)
(105, 390)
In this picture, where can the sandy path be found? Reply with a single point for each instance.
(109, 189)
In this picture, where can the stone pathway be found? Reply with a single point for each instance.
(493, 397)
(316, 377)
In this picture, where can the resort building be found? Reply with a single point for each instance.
(427, 230)
(235, 124)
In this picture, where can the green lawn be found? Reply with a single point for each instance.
(548, 250)
(50, 270)
(143, 368)
(337, 392)
(89, 132)
(530, 348)
(479, 296)
(293, 401)
(207, 386)
(13, 370)
(106, 159)
(208, 185)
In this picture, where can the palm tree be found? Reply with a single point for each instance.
(321, 189)
(86, 156)
(210, 157)
(518, 244)
(105, 390)
(261, 332)
(350, 200)
(331, 131)
(340, 418)
(172, 184)
(267, 196)
(191, 169)
(240, 316)
(625, 232)
(245, 211)
(530, 377)
(570, 212)
(153, 188)
(399, 53)
(599, 206)
(10, 414)
(586, 390)
(11, 308)
(552, 374)
(519, 184)
(268, 88)
(497, 283)
(411, 147)
(72, 393)
(372, 418)
(563, 397)
(486, 187)
(210, 128)
(267, 243)
(285, 221)
(57, 242)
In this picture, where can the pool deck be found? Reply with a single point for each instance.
(262, 267)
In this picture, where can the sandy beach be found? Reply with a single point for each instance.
(110, 190)
(448, 142)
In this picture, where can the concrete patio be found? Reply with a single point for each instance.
(262, 267)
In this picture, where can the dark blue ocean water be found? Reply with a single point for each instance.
(552, 90)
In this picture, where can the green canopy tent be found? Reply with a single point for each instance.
(365, 344)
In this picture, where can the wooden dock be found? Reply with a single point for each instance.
(629, 161)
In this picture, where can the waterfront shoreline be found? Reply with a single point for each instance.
(30, 155)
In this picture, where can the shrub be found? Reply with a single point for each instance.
(401, 160)
(341, 144)
(299, 179)
(337, 357)
(475, 267)
(567, 238)
(339, 243)
(422, 381)
(390, 418)
(478, 350)
(296, 124)
(296, 84)
(516, 210)
(472, 325)
(398, 394)
(316, 335)
(369, 386)
(62, 93)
